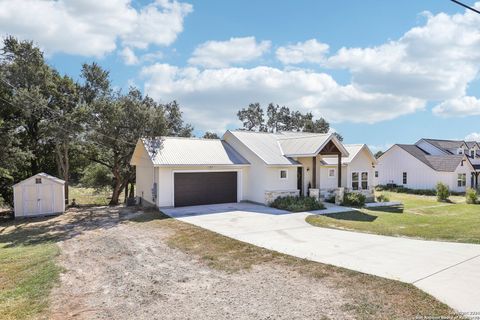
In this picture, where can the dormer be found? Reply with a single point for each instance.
(473, 153)
(461, 150)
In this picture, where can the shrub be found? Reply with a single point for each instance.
(471, 196)
(331, 199)
(383, 198)
(354, 199)
(400, 189)
(96, 176)
(442, 192)
(297, 204)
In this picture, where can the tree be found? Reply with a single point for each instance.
(252, 117)
(378, 154)
(210, 135)
(273, 121)
(317, 126)
(175, 123)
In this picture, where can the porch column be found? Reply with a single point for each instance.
(339, 170)
(476, 179)
(314, 173)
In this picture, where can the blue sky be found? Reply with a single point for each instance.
(381, 72)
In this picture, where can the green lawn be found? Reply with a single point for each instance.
(27, 274)
(419, 217)
(90, 196)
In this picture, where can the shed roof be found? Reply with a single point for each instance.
(169, 151)
(42, 175)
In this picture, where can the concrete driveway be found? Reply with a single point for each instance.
(448, 271)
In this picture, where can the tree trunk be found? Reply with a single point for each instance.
(63, 164)
(126, 193)
(132, 190)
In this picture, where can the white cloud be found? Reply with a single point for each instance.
(435, 61)
(211, 97)
(309, 51)
(92, 27)
(474, 136)
(220, 54)
(129, 57)
(459, 107)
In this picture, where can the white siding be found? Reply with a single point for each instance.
(361, 163)
(145, 177)
(32, 199)
(419, 176)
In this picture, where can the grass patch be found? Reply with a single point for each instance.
(27, 274)
(369, 297)
(419, 217)
(91, 196)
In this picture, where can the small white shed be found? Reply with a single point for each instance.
(39, 195)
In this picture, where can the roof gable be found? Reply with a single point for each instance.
(41, 175)
(445, 163)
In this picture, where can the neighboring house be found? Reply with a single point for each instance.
(39, 195)
(429, 161)
(242, 166)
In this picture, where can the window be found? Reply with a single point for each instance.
(38, 180)
(462, 179)
(283, 174)
(404, 178)
(331, 173)
(364, 180)
(355, 182)
(376, 174)
(460, 151)
(472, 153)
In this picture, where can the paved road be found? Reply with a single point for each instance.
(448, 271)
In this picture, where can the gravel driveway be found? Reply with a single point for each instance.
(117, 269)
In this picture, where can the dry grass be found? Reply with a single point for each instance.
(368, 296)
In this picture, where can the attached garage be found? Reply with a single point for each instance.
(39, 195)
(197, 188)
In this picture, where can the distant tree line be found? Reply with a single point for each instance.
(281, 119)
(76, 130)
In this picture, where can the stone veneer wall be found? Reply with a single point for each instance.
(272, 195)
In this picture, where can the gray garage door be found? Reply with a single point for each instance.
(205, 188)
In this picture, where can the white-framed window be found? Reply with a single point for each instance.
(376, 174)
(331, 173)
(404, 178)
(460, 151)
(283, 174)
(462, 180)
(355, 181)
(364, 177)
(472, 153)
(38, 180)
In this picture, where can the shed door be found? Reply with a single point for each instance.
(38, 199)
(30, 200)
(205, 188)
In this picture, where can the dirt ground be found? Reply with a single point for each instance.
(117, 269)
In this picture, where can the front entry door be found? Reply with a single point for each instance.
(300, 180)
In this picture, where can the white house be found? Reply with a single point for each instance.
(242, 166)
(39, 195)
(429, 161)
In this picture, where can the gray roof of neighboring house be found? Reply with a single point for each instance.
(446, 144)
(353, 150)
(168, 151)
(447, 163)
(280, 148)
(472, 144)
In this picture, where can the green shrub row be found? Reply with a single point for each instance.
(297, 204)
(354, 200)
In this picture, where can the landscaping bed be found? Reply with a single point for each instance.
(297, 204)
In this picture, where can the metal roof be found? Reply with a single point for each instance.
(169, 151)
(446, 163)
(264, 145)
(353, 150)
(280, 148)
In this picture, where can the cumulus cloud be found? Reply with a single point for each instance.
(474, 136)
(220, 54)
(211, 97)
(92, 27)
(310, 51)
(129, 57)
(435, 61)
(459, 107)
